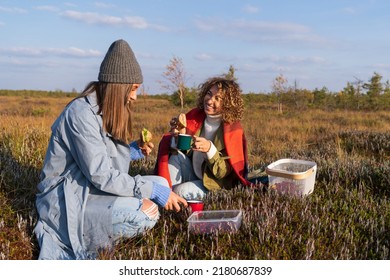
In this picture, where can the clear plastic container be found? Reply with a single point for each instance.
(292, 176)
(202, 222)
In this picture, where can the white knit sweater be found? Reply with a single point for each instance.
(211, 125)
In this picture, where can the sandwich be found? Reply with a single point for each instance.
(146, 138)
(179, 124)
(181, 121)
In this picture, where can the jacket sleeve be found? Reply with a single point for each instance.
(135, 151)
(219, 165)
(161, 167)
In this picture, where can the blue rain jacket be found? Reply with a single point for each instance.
(84, 164)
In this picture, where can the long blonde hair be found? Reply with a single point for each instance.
(114, 108)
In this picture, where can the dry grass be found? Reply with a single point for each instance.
(347, 216)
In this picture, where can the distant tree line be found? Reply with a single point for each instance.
(38, 93)
(371, 95)
(358, 95)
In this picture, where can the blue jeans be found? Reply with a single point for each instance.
(184, 181)
(128, 217)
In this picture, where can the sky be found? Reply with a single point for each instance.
(59, 45)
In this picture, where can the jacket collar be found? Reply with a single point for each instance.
(92, 100)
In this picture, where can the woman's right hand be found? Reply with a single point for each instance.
(174, 202)
(173, 124)
(175, 127)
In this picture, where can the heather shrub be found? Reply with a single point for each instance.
(346, 217)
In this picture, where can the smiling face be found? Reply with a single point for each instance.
(221, 96)
(212, 101)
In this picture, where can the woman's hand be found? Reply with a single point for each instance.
(201, 144)
(145, 143)
(173, 124)
(174, 202)
(146, 148)
(176, 126)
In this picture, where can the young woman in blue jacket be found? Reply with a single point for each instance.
(86, 199)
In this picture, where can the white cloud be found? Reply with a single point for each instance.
(259, 31)
(91, 18)
(13, 10)
(69, 4)
(269, 27)
(40, 52)
(47, 8)
(136, 22)
(203, 57)
(349, 10)
(250, 9)
(291, 59)
(80, 52)
(104, 5)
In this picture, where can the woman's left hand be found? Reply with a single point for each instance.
(146, 148)
(201, 144)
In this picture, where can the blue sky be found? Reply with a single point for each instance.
(59, 45)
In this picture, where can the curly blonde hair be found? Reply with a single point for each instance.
(232, 103)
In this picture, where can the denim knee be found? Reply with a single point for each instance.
(191, 190)
(130, 221)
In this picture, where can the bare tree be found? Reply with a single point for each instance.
(175, 77)
(358, 90)
(279, 86)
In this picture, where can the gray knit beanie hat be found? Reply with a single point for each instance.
(120, 65)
